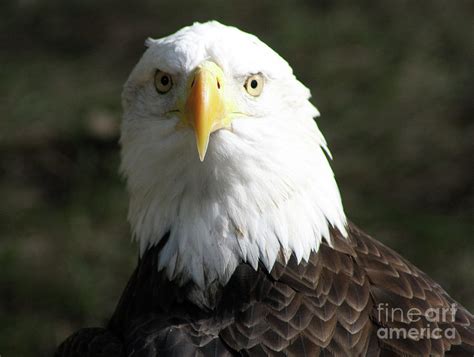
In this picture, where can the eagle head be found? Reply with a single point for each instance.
(223, 157)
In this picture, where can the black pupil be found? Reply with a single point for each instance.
(254, 83)
(165, 80)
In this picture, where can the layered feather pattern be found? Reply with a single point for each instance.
(325, 306)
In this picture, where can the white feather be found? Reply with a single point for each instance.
(265, 186)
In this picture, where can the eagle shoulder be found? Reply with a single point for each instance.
(344, 300)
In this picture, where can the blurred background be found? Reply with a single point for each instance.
(392, 79)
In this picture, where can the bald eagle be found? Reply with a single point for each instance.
(245, 249)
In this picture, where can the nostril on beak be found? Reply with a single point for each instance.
(218, 84)
(192, 83)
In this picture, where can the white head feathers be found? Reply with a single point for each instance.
(265, 185)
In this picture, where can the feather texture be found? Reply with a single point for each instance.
(325, 306)
(265, 187)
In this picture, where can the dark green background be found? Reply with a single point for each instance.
(392, 79)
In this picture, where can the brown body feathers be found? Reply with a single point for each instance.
(351, 299)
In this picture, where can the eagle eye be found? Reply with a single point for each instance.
(163, 82)
(254, 85)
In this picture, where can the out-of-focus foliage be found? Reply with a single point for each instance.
(392, 79)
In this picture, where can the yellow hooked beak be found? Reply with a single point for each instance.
(205, 107)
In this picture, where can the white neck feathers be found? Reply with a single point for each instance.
(264, 189)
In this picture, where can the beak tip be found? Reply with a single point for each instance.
(202, 150)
